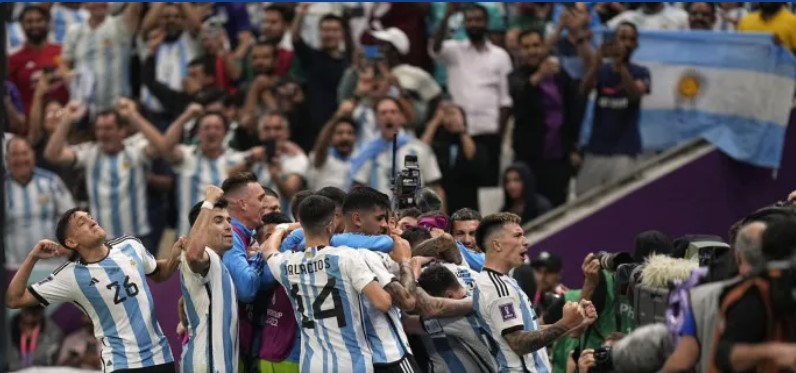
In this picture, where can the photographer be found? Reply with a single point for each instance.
(593, 360)
(756, 324)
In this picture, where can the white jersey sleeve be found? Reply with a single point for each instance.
(503, 314)
(149, 261)
(84, 152)
(275, 265)
(190, 275)
(377, 265)
(358, 271)
(57, 287)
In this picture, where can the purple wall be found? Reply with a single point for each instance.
(703, 197)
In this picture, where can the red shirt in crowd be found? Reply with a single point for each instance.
(26, 62)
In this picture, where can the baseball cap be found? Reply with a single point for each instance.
(548, 261)
(394, 36)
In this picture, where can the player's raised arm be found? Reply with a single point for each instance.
(18, 295)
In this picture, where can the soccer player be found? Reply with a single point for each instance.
(454, 344)
(107, 281)
(504, 310)
(208, 290)
(325, 285)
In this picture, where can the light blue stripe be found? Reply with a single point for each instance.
(115, 273)
(193, 325)
(500, 357)
(745, 51)
(226, 288)
(183, 56)
(8, 197)
(443, 348)
(379, 356)
(306, 350)
(324, 330)
(83, 278)
(95, 181)
(59, 24)
(349, 335)
(27, 209)
(529, 324)
(132, 191)
(308, 308)
(215, 177)
(13, 36)
(116, 217)
(45, 209)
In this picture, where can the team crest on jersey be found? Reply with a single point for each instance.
(126, 165)
(507, 312)
(43, 199)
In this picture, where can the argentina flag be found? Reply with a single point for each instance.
(735, 90)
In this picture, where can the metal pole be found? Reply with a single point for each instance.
(394, 171)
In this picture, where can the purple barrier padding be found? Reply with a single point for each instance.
(703, 197)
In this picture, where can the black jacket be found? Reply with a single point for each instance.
(528, 110)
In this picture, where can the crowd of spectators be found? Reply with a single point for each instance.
(131, 109)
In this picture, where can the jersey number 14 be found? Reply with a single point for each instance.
(318, 313)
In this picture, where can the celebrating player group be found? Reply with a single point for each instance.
(344, 289)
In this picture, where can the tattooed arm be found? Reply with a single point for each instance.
(434, 307)
(402, 292)
(443, 247)
(523, 342)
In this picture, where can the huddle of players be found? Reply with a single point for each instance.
(353, 306)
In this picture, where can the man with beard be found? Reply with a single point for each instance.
(653, 16)
(178, 25)
(207, 285)
(463, 225)
(108, 281)
(97, 54)
(774, 18)
(477, 72)
(331, 157)
(701, 16)
(276, 23)
(37, 59)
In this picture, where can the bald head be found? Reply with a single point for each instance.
(748, 246)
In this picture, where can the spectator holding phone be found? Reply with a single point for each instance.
(615, 141)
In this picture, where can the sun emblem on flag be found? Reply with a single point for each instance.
(690, 86)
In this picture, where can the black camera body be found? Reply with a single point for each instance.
(611, 261)
(603, 362)
(407, 183)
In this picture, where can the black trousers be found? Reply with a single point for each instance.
(552, 179)
(491, 143)
(405, 365)
(164, 368)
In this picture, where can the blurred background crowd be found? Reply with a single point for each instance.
(130, 109)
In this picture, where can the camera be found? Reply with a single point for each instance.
(407, 183)
(602, 360)
(611, 261)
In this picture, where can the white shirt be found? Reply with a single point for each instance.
(670, 18)
(115, 295)
(171, 66)
(196, 172)
(62, 18)
(333, 172)
(325, 287)
(116, 186)
(101, 57)
(477, 81)
(376, 173)
(32, 210)
(212, 310)
(502, 307)
(735, 13)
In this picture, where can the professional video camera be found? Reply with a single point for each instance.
(407, 183)
(611, 261)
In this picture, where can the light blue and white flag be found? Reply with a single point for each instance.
(733, 89)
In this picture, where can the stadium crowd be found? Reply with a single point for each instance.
(265, 135)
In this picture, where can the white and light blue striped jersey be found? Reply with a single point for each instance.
(464, 274)
(32, 211)
(116, 187)
(212, 309)
(171, 66)
(384, 329)
(115, 295)
(62, 18)
(291, 165)
(15, 37)
(325, 287)
(375, 173)
(194, 173)
(457, 345)
(502, 308)
(100, 56)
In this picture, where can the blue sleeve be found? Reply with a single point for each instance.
(643, 74)
(293, 241)
(689, 325)
(381, 243)
(267, 279)
(473, 259)
(238, 14)
(246, 276)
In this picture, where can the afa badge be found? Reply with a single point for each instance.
(43, 199)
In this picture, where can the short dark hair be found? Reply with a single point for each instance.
(475, 6)
(628, 24)
(465, 214)
(778, 241)
(315, 212)
(711, 5)
(531, 31)
(237, 181)
(333, 18)
(436, 280)
(63, 225)
(212, 113)
(412, 212)
(416, 235)
(210, 96)
(207, 63)
(333, 193)
(397, 102)
(269, 191)
(490, 223)
(365, 198)
(120, 121)
(276, 218)
(287, 14)
(197, 208)
(296, 201)
(34, 8)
